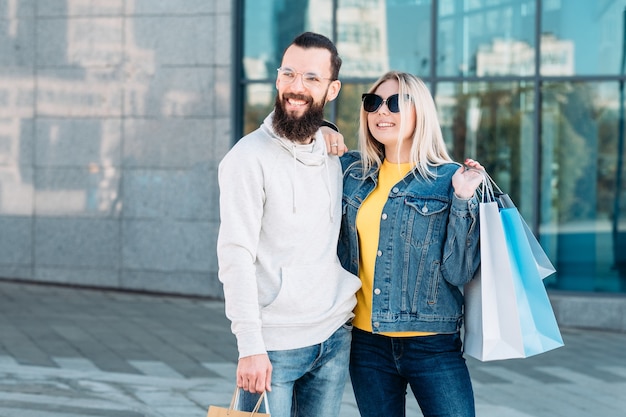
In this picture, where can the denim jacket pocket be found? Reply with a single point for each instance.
(425, 218)
(426, 206)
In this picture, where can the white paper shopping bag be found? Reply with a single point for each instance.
(492, 326)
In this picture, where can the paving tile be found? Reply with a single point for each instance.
(90, 348)
(155, 368)
(80, 364)
(23, 349)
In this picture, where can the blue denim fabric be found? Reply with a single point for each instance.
(307, 382)
(433, 366)
(428, 248)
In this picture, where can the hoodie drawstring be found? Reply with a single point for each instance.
(293, 183)
(328, 183)
(330, 194)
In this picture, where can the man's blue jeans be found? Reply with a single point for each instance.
(307, 382)
(434, 367)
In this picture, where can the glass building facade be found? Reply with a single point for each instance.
(534, 89)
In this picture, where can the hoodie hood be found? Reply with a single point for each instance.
(311, 154)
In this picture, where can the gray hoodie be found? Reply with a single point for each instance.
(280, 209)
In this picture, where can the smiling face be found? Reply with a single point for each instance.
(386, 127)
(296, 97)
(299, 108)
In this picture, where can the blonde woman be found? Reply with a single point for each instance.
(410, 232)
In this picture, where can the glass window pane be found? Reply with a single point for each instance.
(271, 25)
(258, 103)
(374, 36)
(348, 108)
(581, 37)
(485, 38)
(583, 192)
(493, 123)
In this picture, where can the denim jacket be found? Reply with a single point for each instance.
(428, 248)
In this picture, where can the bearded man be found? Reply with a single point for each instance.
(288, 298)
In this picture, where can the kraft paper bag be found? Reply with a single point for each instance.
(215, 411)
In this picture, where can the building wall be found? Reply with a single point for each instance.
(113, 117)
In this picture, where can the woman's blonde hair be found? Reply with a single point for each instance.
(428, 147)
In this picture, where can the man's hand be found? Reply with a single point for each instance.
(334, 141)
(254, 373)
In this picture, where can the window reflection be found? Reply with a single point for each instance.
(374, 36)
(486, 37)
(587, 32)
(259, 99)
(492, 122)
(93, 69)
(580, 204)
(272, 24)
(348, 108)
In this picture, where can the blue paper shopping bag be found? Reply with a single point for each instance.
(540, 331)
(541, 260)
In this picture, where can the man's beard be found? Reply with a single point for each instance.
(297, 128)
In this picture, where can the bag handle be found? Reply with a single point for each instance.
(489, 190)
(485, 192)
(262, 399)
(496, 194)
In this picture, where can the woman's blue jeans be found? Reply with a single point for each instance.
(434, 367)
(307, 382)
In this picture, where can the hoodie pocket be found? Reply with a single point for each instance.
(309, 294)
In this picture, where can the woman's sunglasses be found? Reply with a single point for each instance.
(372, 102)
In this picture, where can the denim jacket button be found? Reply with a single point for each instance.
(376, 324)
(384, 216)
(424, 209)
(379, 253)
(395, 190)
(377, 291)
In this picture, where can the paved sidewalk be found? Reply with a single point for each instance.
(76, 352)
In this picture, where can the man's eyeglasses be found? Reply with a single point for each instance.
(372, 102)
(309, 79)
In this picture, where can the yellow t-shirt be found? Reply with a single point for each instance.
(368, 227)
